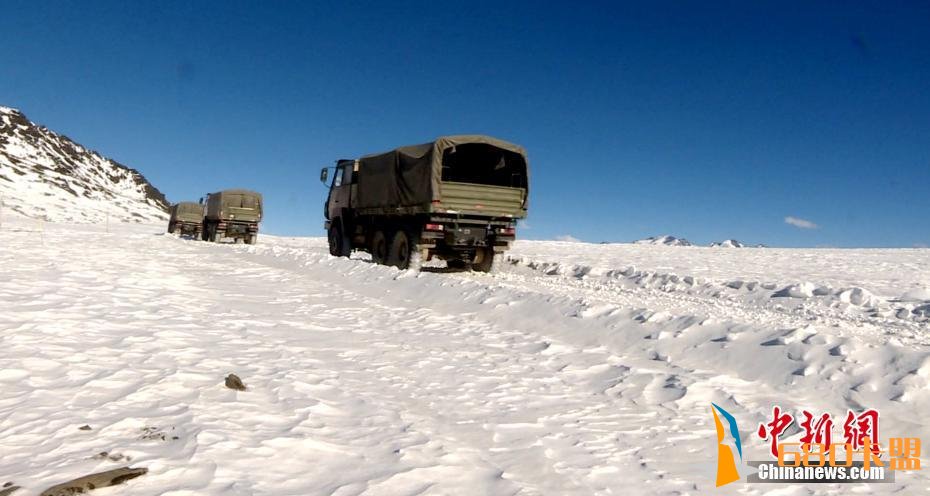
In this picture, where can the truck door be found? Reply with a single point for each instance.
(340, 191)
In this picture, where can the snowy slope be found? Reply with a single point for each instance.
(859, 284)
(45, 175)
(561, 374)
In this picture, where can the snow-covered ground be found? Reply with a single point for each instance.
(575, 369)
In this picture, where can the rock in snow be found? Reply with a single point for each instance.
(88, 483)
(234, 382)
(45, 175)
(729, 243)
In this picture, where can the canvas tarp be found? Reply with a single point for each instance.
(412, 175)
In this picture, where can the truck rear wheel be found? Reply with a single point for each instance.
(484, 259)
(250, 239)
(403, 252)
(379, 247)
(338, 243)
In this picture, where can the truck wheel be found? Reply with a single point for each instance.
(402, 251)
(250, 239)
(338, 244)
(379, 248)
(218, 235)
(484, 259)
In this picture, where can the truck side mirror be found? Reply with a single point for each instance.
(324, 174)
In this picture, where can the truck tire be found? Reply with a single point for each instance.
(379, 247)
(218, 235)
(403, 251)
(484, 259)
(338, 243)
(250, 239)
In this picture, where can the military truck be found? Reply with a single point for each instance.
(456, 198)
(233, 213)
(186, 218)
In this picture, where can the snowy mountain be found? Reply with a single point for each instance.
(664, 240)
(46, 175)
(729, 243)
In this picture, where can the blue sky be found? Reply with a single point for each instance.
(707, 120)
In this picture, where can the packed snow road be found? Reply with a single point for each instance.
(567, 372)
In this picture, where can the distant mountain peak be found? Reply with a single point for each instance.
(46, 175)
(665, 240)
(727, 243)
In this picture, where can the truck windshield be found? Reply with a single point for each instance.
(480, 163)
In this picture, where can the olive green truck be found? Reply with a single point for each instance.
(232, 213)
(186, 218)
(456, 198)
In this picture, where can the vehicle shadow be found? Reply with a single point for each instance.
(443, 270)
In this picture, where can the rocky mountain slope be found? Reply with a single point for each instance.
(46, 175)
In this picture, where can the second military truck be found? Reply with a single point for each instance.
(456, 198)
(186, 218)
(232, 213)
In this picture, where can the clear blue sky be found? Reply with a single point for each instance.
(700, 119)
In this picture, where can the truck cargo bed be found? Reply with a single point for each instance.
(481, 199)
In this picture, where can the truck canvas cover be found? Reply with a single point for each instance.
(235, 204)
(187, 211)
(413, 175)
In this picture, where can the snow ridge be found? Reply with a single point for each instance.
(46, 175)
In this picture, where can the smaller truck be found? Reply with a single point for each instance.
(232, 213)
(186, 218)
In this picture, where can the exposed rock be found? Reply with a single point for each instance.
(84, 428)
(234, 382)
(155, 433)
(8, 489)
(94, 481)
